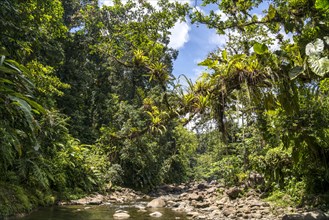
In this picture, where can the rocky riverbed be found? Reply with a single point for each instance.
(204, 201)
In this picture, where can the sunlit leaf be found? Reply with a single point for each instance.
(271, 12)
(314, 48)
(208, 63)
(322, 4)
(296, 71)
(224, 55)
(260, 48)
(319, 66)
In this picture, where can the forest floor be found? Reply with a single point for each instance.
(206, 201)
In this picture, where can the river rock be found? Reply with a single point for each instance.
(229, 211)
(233, 192)
(315, 215)
(156, 203)
(156, 214)
(89, 200)
(193, 214)
(140, 206)
(201, 186)
(195, 196)
(121, 215)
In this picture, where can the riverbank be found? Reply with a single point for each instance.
(205, 201)
(17, 200)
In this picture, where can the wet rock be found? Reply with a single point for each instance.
(193, 214)
(156, 203)
(121, 211)
(195, 196)
(89, 200)
(140, 207)
(315, 215)
(201, 186)
(200, 217)
(121, 215)
(156, 214)
(233, 192)
(293, 217)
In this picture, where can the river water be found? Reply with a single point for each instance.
(102, 212)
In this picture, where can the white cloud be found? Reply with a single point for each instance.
(106, 2)
(219, 40)
(197, 8)
(181, 1)
(223, 16)
(153, 2)
(197, 72)
(197, 61)
(179, 35)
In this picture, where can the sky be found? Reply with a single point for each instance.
(193, 41)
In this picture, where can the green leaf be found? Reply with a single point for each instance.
(2, 60)
(319, 66)
(3, 51)
(7, 70)
(326, 39)
(17, 66)
(224, 55)
(32, 103)
(322, 4)
(296, 71)
(234, 59)
(288, 27)
(271, 12)
(2, 80)
(208, 63)
(26, 109)
(260, 48)
(314, 48)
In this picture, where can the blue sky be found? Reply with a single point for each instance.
(193, 41)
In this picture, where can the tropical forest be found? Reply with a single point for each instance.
(90, 107)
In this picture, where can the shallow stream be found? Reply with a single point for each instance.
(101, 212)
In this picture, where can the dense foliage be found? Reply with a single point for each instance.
(267, 91)
(88, 99)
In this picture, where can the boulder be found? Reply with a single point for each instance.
(233, 192)
(293, 217)
(156, 214)
(121, 215)
(315, 215)
(195, 196)
(157, 203)
(201, 186)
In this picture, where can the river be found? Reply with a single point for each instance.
(102, 212)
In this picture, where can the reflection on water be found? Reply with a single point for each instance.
(99, 212)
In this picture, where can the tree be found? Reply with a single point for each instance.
(278, 75)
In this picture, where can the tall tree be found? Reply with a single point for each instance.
(277, 73)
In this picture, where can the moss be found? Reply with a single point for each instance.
(13, 199)
(16, 199)
(279, 198)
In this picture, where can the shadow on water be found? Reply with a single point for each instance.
(102, 212)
